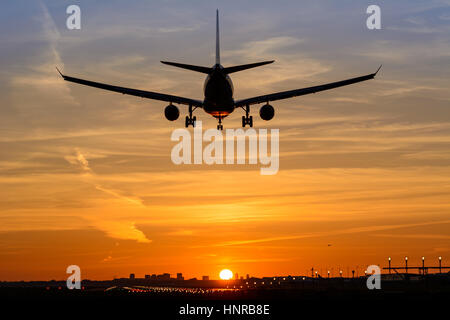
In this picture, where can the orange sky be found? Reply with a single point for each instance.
(86, 176)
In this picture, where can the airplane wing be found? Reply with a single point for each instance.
(135, 92)
(303, 91)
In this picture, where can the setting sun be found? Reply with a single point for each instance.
(226, 274)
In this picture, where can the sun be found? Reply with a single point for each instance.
(226, 274)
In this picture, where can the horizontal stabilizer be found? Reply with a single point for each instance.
(245, 66)
(188, 67)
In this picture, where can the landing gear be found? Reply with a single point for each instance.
(190, 120)
(220, 126)
(247, 120)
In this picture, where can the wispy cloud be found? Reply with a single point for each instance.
(331, 233)
(122, 229)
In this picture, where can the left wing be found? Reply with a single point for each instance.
(135, 92)
(303, 91)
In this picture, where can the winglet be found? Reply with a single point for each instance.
(377, 71)
(59, 72)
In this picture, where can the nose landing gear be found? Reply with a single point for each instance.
(220, 126)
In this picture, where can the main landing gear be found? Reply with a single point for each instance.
(220, 126)
(190, 120)
(247, 120)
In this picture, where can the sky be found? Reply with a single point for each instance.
(86, 176)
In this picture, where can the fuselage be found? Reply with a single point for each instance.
(218, 90)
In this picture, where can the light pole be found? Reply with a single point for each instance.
(423, 265)
(389, 265)
(406, 264)
(440, 264)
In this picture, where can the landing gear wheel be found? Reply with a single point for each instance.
(247, 121)
(219, 127)
(190, 120)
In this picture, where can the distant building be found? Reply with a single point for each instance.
(180, 276)
(153, 277)
(205, 278)
(236, 276)
(147, 276)
(248, 276)
(164, 276)
(132, 276)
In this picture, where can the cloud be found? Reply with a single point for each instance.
(331, 233)
(115, 229)
(124, 230)
(83, 163)
(415, 236)
(280, 71)
(181, 233)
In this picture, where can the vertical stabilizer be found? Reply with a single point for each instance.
(217, 38)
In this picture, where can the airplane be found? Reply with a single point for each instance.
(218, 91)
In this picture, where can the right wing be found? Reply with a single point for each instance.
(135, 92)
(303, 91)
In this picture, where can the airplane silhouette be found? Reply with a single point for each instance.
(218, 91)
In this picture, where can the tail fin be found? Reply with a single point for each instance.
(217, 38)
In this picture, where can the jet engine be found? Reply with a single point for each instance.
(266, 112)
(171, 112)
